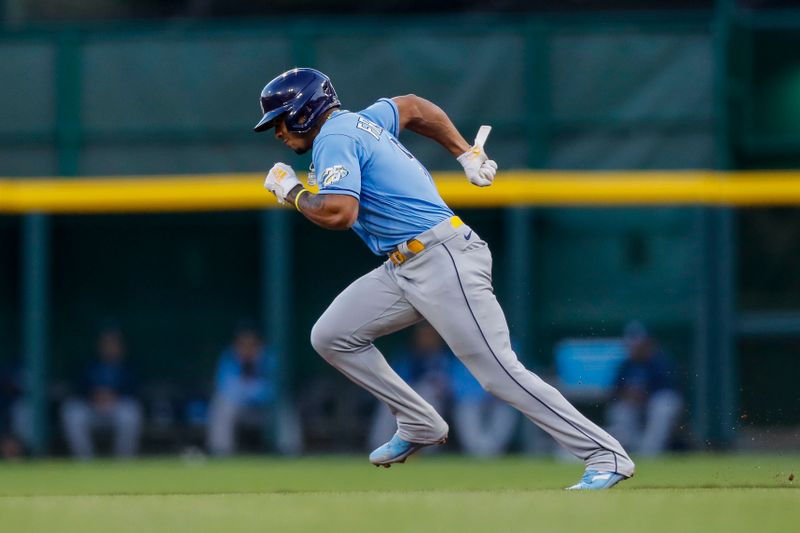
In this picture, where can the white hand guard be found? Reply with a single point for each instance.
(281, 179)
(480, 170)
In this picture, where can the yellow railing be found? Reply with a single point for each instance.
(244, 191)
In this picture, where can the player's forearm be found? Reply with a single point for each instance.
(429, 120)
(323, 210)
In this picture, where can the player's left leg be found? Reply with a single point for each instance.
(371, 307)
(77, 418)
(623, 417)
(221, 428)
(126, 418)
(662, 414)
(484, 428)
(450, 284)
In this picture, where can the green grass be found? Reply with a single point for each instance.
(678, 494)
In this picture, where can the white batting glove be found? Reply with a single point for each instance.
(480, 170)
(281, 179)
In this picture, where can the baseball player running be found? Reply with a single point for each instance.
(437, 267)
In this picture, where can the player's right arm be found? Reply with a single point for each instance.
(335, 206)
(331, 211)
(429, 120)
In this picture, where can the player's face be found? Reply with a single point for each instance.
(640, 349)
(248, 346)
(111, 346)
(296, 141)
(426, 339)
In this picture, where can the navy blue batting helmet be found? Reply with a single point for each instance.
(302, 94)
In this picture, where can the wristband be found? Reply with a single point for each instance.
(296, 198)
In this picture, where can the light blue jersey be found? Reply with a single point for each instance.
(358, 154)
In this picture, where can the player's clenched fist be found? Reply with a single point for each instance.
(480, 170)
(280, 180)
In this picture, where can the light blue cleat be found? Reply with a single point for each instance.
(397, 450)
(596, 480)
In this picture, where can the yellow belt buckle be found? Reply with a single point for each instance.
(415, 246)
(456, 221)
(397, 257)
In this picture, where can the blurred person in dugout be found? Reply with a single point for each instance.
(107, 401)
(646, 404)
(245, 395)
(483, 425)
(16, 421)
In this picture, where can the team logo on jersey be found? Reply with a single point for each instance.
(333, 174)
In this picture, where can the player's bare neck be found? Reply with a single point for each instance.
(328, 115)
(318, 126)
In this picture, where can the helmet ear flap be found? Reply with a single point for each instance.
(301, 116)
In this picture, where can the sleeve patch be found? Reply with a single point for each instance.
(333, 175)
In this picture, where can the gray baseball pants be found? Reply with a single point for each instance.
(449, 284)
